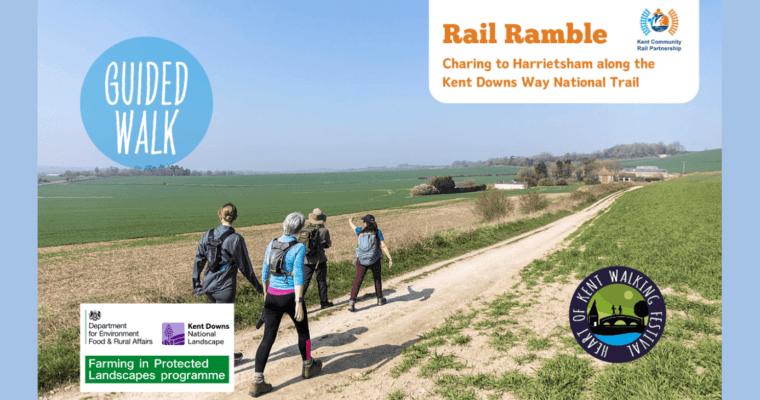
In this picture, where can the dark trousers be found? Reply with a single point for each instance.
(227, 296)
(360, 271)
(321, 272)
(274, 307)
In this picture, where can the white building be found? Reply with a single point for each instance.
(640, 173)
(514, 185)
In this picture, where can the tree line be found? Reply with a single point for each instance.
(619, 152)
(160, 170)
(560, 172)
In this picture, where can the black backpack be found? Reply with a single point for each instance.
(309, 236)
(276, 259)
(214, 249)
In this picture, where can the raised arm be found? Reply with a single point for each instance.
(351, 222)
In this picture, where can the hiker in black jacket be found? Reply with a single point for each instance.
(316, 261)
(220, 280)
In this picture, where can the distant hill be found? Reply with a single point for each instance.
(698, 161)
(51, 169)
(43, 170)
(617, 152)
(702, 161)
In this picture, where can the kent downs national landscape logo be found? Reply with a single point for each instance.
(173, 334)
(617, 314)
(659, 22)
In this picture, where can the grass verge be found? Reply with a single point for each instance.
(671, 232)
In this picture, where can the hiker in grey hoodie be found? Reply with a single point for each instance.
(220, 280)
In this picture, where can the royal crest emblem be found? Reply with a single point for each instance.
(94, 315)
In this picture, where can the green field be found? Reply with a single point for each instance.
(701, 161)
(125, 208)
(128, 208)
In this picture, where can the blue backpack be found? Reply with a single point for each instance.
(368, 251)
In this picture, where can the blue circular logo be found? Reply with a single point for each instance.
(659, 21)
(146, 102)
(617, 314)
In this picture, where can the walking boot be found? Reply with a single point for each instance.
(381, 301)
(259, 387)
(311, 368)
(326, 305)
(351, 306)
(238, 356)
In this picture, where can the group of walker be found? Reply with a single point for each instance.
(290, 261)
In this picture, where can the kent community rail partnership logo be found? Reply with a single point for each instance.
(146, 101)
(659, 22)
(617, 314)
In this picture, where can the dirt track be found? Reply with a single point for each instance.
(367, 341)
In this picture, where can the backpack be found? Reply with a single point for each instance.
(276, 259)
(214, 249)
(309, 236)
(368, 251)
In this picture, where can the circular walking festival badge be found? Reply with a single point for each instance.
(617, 314)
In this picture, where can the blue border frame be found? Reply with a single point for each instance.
(741, 272)
(740, 152)
(18, 102)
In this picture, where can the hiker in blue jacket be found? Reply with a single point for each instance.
(220, 280)
(282, 275)
(368, 256)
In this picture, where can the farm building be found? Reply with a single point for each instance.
(605, 176)
(640, 173)
(513, 185)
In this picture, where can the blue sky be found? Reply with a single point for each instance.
(336, 84)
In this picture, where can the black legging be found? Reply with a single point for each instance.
(274, 307)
